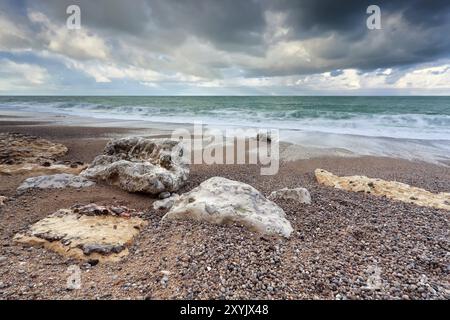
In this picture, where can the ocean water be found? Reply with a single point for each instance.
(419, 125)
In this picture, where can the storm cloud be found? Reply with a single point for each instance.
(206, 44)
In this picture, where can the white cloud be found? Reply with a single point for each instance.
(77, 44)
(21, 75)
(12, 35)
(437, 77)
(106, 72)
(197, 62)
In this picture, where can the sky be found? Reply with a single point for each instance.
(225, 47)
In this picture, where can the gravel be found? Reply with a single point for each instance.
(344, 245)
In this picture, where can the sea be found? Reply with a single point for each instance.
(413, 127)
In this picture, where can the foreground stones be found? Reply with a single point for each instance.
(31, 156)
(300, 195)
(3, 200)
(141, 165)
(90, 232)
(223, 201)
(56, 181)
(391, 189)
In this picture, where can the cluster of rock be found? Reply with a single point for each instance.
(153, 166)
(90, 232)
(390, 189)
(141, 165)
(29, 155)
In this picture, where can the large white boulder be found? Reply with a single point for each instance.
(141, 165)
(221, 201)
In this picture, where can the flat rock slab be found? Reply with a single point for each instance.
(222, 201)
(88, 232)
(17, 148)
(300, 195)
(27, 155)
(141, 165)
(33, 169)
(55, 181)
(390, 189)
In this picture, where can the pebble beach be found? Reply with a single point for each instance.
(344, 245)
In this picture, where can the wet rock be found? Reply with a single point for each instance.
(221, 201)
(141, 165)
(297, 194)
(55, 181)
(390, 189)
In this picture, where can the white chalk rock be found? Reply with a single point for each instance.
(220, 201)
(55, 181)
(298, 194)
(141, 165)
(166, 203)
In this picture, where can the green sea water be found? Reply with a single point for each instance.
(396, 117)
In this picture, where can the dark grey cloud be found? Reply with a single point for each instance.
(335, 33)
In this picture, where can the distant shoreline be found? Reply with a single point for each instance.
(295, 144)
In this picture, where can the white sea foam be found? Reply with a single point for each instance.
(407, 135)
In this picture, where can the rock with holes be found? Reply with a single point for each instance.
(300, 195)
(141, 165)
(390, 189)
(55, 181)
(86, 232)
(221, 201)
